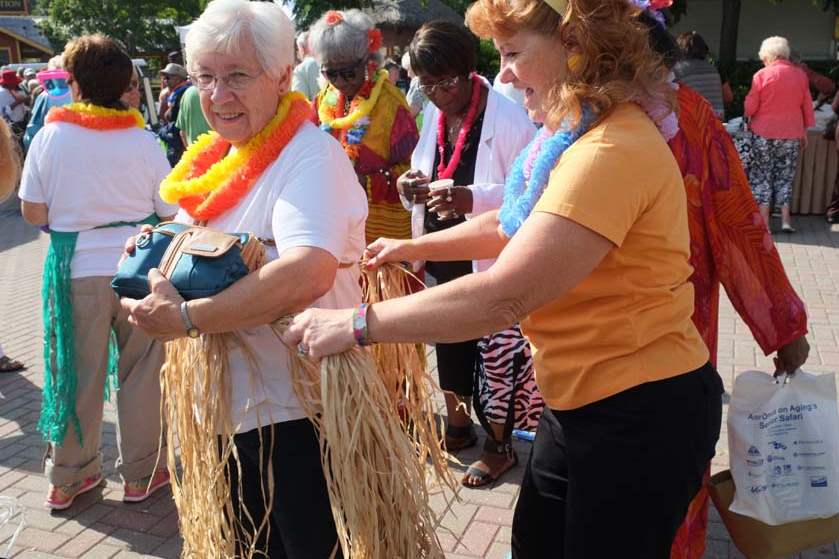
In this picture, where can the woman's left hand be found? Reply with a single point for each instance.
(159, 313)
(321, 332)
(792, 356)
(454, 202)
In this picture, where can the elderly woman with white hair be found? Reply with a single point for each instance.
(299, 192)
(368, 114)
(306, 76)
(780, 110)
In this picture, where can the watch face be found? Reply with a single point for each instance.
(193, 333)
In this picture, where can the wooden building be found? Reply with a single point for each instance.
(20, 38)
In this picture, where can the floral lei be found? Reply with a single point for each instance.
(354, 125)
(208, 180)
(530, 173)
(446, 171)
(95, 117)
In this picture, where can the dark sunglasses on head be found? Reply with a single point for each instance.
(347, 73)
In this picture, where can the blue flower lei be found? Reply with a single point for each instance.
(356, 134)
(521, 193)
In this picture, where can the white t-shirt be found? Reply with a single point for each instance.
(13, 114)
(88, 178)
(309, 197)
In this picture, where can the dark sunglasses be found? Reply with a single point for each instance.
(348, 73)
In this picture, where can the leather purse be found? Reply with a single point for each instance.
(198, 261)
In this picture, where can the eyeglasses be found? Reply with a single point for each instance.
(347, 73)
(445, 85)
(237, 81)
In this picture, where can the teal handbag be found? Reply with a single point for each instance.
(198, 261)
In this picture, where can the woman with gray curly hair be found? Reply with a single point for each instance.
(780, 110)
(366, 113)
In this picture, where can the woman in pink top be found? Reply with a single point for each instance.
(781, 110)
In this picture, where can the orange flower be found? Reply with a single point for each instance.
(374, 40)
(334, 17)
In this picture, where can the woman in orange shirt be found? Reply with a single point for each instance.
(592, 244)
(9, 176)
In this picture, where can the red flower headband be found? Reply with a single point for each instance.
(334, 17)
(374, 36)
(374, 40)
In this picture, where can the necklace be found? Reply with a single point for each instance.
(530, 173)
(209, 180)
(95, 117)
(445, 171)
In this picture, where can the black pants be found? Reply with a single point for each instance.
(455, 362)
(615, 478)
(301, 524)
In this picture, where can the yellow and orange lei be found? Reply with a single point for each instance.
(95, 117)
(330, 115)
(208, 180)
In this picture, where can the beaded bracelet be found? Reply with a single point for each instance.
(359, 326)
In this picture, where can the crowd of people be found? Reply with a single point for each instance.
(573, 222)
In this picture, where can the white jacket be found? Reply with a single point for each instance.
(505, 133)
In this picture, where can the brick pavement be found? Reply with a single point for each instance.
(101, 526)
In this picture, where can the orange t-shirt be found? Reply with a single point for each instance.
(629, 321)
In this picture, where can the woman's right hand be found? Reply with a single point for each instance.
(383, 250)
(413, 186)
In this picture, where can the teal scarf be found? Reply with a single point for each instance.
(58, 408)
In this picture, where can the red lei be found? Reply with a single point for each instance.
(445, 171)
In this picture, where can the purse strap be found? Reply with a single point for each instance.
(266, 242)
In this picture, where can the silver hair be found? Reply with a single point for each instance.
(303, 41)
(227, 25)
(774, 48)
(346, 39)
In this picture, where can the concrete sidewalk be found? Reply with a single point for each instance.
(99, 525)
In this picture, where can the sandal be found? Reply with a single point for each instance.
(460, 438)
(484, 477)
(8, 365)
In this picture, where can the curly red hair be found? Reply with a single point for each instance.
(617, 63)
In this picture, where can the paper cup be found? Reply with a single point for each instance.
(439, 187)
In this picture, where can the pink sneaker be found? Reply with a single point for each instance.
(61, 497)
(139, 490)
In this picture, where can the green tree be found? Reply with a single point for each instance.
(144, 26)
(307, 12)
